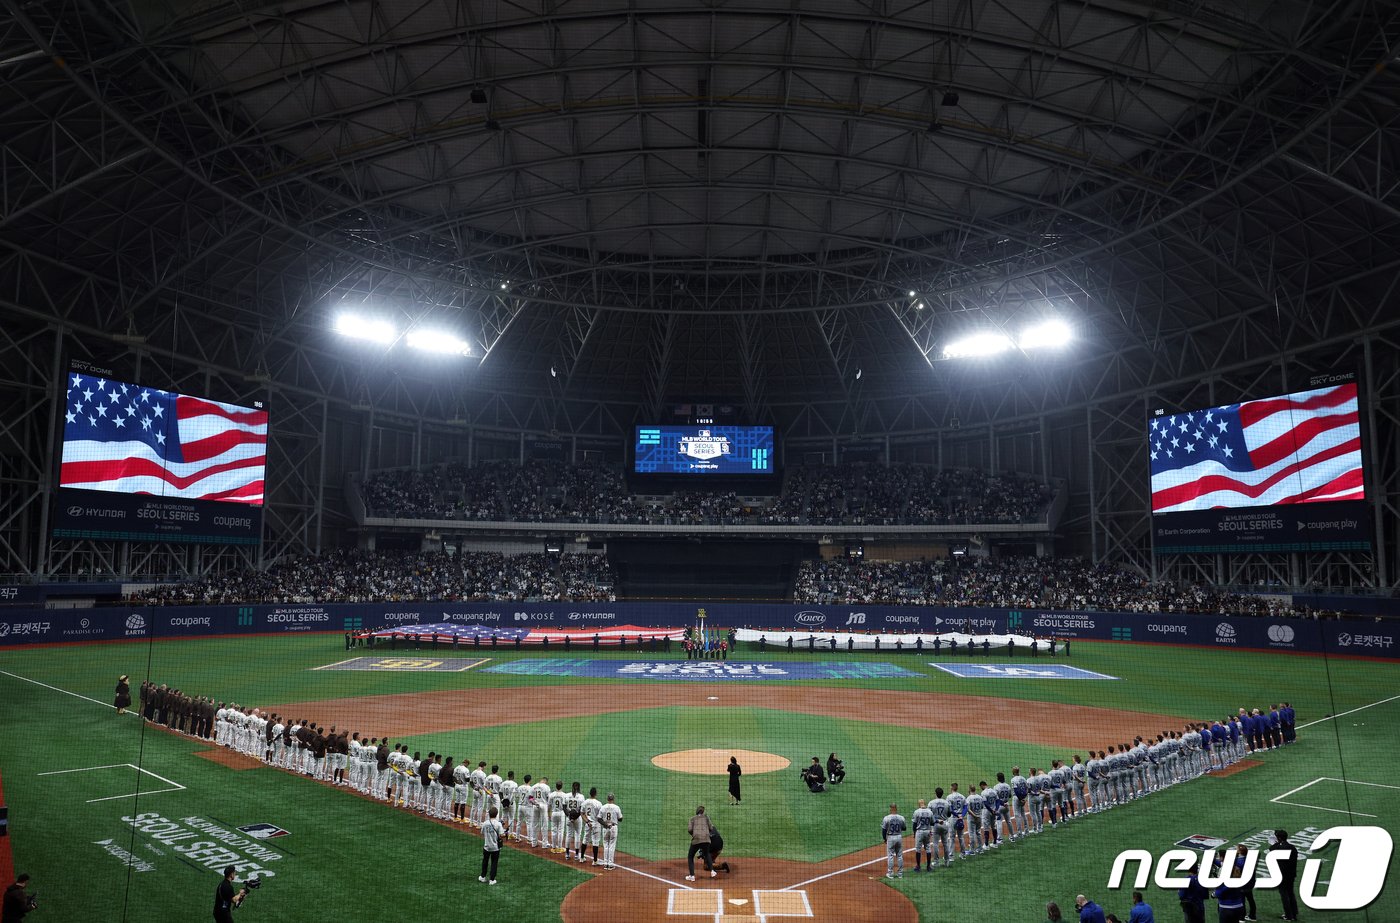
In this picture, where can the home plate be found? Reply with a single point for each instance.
(712, 698)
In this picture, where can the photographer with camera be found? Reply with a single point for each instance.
(226, 899)
(18, 900)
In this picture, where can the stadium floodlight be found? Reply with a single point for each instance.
(912, 293)
(1052, 333)
(365, 328)
(438, 341)
(978, 344)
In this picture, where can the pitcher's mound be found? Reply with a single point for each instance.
(716, 762)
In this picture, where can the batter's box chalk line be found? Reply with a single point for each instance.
(174, 786)
(1279, 799)
(710, 902)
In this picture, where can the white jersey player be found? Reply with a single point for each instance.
(557, 799)
(592, 830)
(539, 817)
(478, 785)
(508, 806)
(609, 817)
(462, 792)
(573, 824)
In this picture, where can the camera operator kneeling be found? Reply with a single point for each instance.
(226, 898)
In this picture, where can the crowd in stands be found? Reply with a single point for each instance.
(386, 576)
(1033, 583)
(859, 494)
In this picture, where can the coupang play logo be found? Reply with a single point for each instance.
(1357, 875)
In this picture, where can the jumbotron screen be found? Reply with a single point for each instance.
(703, 449)
(1303, 447)
(142, 463)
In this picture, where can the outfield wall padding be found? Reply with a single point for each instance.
(1354, 637)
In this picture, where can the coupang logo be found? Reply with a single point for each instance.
(810, 617)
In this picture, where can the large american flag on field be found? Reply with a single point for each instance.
(1298, 448)
(125, 438)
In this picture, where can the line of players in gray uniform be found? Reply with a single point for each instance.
(957, 824)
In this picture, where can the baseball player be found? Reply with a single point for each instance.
(923, 837)
(1232, 728)
(609, 817)
(447, 778)
(1079, 780)
(1037, 785)
(539, 821)
(1056, 793)
(957, 810)
(525, 811)
(991, 835)
(1003, 811)
(557, 799)
(976, 819)
(433, 807)
(573, 824)
(478, 788)
(892, 832)
(493, 789)
(354, 764)
(461, 791)
(1020, 804)
(941, 812)
(592, 829)
(508, 802)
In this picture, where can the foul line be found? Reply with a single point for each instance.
(330, 666)
(74, 694)
(862, 865)
(1345, 713)
(664, 881)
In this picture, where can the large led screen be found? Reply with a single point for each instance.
(140, 462)
(1303, 447)
(704, 450)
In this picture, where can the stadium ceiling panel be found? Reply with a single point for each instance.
(660, 200)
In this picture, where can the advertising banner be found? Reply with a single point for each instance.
(142, 517)
(1358, 637)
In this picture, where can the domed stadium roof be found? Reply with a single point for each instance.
(794, 206)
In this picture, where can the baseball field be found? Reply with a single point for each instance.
(115, 819)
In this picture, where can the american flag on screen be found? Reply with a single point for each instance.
(125, 438)
(1298, 448)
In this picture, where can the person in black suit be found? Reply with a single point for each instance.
(1288, 870)
(814, 776)
(734, 773)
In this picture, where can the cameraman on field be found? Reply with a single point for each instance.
(18, 900)
(226, 898)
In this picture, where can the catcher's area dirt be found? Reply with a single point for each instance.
(1067, 727)
(716, 762)
(772, 887)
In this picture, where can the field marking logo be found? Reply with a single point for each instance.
(1015, 671)
(1358, 871)
(264, 831)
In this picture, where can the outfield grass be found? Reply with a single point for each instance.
(344, 848)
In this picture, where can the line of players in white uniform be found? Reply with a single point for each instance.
(958, 824)
(564, 822)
